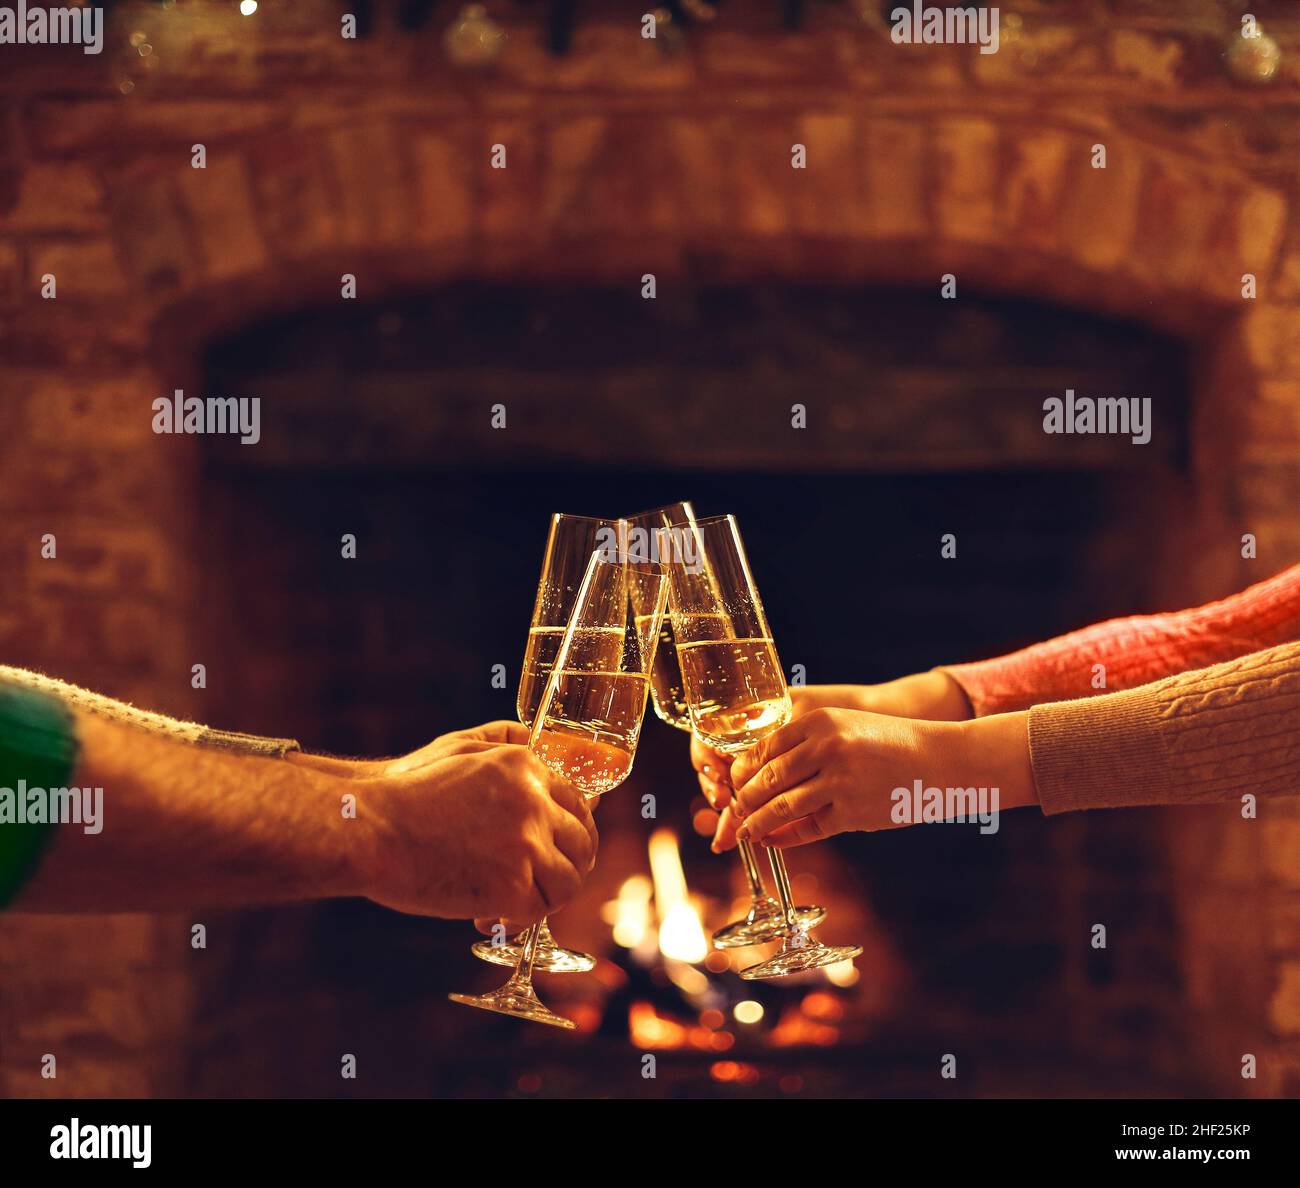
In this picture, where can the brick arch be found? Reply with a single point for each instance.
(273, 224)
(275, 221)
(1010, 204)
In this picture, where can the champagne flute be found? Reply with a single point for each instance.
(570, 543)
(589, 721)
(735, 688)
(763, 921)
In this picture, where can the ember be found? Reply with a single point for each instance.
(681, 994)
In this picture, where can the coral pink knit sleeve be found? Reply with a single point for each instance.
(1135, 650)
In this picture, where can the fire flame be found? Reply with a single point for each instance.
(681, 932)
(629, 914)
(684, 947)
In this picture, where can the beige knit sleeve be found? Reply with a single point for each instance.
(1211, 734)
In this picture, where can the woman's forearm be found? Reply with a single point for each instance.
(1214, 734)
(931, 696)
(994, 752)
(1126, 653)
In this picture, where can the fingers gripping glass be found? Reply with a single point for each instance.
(763, 921)
(589, 719)
(569, 546)
(736, 693)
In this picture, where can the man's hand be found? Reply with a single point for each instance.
(834, 770)
(446, 744)
(476, 829)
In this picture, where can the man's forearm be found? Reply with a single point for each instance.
(190, 825)
(87, 701)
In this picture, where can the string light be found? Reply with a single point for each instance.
(248, 7)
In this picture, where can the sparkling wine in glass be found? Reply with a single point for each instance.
(589, 719)
(735, 690)
(763, 920)
(570, 543)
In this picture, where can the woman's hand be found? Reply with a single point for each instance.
(932, 696)
(833, 770)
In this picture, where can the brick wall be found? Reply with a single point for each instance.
(372, 158)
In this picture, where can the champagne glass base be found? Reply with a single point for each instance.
(519, 1003)
(796, 958)
(765, 922)
(549, 959)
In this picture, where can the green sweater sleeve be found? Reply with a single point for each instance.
(38, 749)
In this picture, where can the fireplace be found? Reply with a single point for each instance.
(378, 424)
(773, 288)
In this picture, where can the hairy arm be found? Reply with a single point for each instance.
(183, 824)
(471, 826)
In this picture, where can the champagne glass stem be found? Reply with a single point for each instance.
(521, 981)
(783, 889)
(750, 862)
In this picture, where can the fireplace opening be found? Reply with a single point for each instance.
(923, 420)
